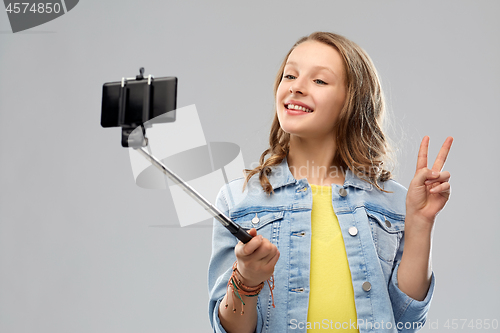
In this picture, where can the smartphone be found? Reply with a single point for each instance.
(162, 100)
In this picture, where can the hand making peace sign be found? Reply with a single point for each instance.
(429, 190)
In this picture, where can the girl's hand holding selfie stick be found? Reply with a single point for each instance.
(255, 261)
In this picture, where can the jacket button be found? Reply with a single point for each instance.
(387, 223)
(342, 192)
(353, 231)
(256, 219)
(367, 286)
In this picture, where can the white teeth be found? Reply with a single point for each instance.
(297, 107)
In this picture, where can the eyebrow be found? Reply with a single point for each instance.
(315, 67)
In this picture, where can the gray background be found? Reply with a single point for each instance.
(80, 246)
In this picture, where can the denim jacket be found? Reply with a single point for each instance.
(372, 225)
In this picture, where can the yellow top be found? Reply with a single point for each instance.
(331, 298)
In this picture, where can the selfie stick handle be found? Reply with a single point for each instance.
(235, 229)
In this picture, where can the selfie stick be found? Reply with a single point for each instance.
(137, 140)
(235, 229)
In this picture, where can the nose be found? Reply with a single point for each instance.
(297, 87)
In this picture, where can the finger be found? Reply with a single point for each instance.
(422, 153)
(443, 154)
(271, 255)
(250, 247)
(443, 177)
(255, 250)
(441, 188)
(423, 175)
(272, 262)
(265, 251)
(252, 232)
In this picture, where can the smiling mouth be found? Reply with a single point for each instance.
(297, 107)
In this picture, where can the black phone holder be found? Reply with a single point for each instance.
(138, 101)
(129, 137)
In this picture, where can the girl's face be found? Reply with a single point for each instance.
(314, 83)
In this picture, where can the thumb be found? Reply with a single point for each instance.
(253, 244)
(253, 232)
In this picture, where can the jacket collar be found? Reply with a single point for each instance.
(281, 176)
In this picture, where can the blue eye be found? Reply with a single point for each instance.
(318, 81)
(291, 77)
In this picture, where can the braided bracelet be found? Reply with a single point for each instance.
(240, 289)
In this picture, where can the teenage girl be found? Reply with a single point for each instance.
(338, 244)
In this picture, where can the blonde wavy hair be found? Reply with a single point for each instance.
(362, 145)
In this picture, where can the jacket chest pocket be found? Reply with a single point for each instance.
(266, 223)
(387, 232)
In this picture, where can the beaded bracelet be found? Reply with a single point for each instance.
(239, 288)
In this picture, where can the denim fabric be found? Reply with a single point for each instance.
(374, 251)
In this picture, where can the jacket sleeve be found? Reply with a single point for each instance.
(220, 266)
(409, 314)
